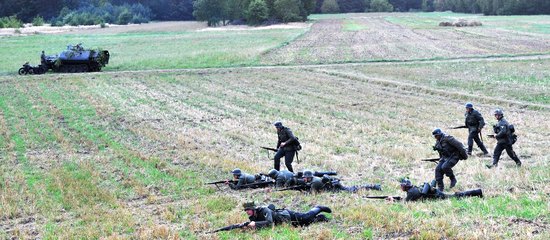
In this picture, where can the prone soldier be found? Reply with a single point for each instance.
(326, 183)
(242, 178)
(282, 178)
(503, 134)
(428, 191)
(268, 216)
(474, 122)
(450, 152)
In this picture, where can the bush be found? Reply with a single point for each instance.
(330, 6)
(124, 17)
(10, 22)
(38, 21)
(381, 6)
(288, 10)
(257, 12)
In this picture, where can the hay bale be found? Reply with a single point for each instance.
(445, 24)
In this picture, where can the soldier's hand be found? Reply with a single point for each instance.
(226, 181)
(390, 199)
(251, 225)
(282, 145)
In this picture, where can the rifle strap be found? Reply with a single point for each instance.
(297, 158)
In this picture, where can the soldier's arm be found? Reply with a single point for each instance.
(503, 130)
(268, 215)
(480, 120)
(458, 145)
(291, 137)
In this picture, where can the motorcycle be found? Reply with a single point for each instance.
(28, 69)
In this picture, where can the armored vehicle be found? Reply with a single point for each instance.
(76, 59)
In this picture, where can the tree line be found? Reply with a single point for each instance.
(85, 12)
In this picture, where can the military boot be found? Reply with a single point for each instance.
(471, 193)
(494, 165)
(453, 181)
(440, 185)
(322, 209)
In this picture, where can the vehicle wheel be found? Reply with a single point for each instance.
(22, 71)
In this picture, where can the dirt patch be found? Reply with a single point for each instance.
(245, 27)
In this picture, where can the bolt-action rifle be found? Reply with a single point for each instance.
(459, 127)
(295, 187)
(383, 197)
(221, 182)
(434, 160)
(258, 184)
(231, 227)
(269, 149)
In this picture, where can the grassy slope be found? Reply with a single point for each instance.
(126, 154)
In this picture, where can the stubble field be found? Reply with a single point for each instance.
(125, 154)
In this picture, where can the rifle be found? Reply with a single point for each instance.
(269, 149)
(231, 227)
(296, 187)
(459, 127)
(258, 184)
(220, 182)
(383, 197)
(434, 160)
(321, 174)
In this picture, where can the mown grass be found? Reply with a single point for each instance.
(152, 50)
(352, 26)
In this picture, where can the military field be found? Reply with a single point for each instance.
(125, 153)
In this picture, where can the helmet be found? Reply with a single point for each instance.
(469, 105)
(249, 206)
(307, 174)
(437, 132)
(405, 182)
(498, 112)
(236, 171)
(272, 173)
(278, 124)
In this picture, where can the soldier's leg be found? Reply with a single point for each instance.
(439, 175)
(512, 154)
(277, 159)
(289, 158)
(471, 137)
(480, 143)
(471, 193)
(304, 219)
(496, 154)
(447, 168)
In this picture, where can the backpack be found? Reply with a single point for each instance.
(513, 136)
(297, 145)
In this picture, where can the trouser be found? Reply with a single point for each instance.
(289, 157)
(509, 150)
(304, 219)
(445, 167)
(474, 136)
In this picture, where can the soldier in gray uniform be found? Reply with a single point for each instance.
(315, 184)
(282, 178)
(286, 146)
(269, 216)
(241, 178)
(428, 191)
(474, 122)
(450, 152)
(503, 135)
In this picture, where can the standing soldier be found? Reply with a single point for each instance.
(474, 122)
(450, 152)
(503, 134)
(286, 146)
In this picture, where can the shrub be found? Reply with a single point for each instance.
(380, 6)
(124, 17)
(257, 12)
(288, 10)
(10, 22)
(330, 6)
(38, 21)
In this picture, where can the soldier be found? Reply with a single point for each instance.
(315, 183)
(286, 146)
(428, 191)
(43, 58)
(334, 184)
(241, 178)
(474, 122)
(503, 135)
(282, 178)
(269, 216)
(450, 152)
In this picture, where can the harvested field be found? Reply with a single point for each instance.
(126, 153)
(382, 38)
